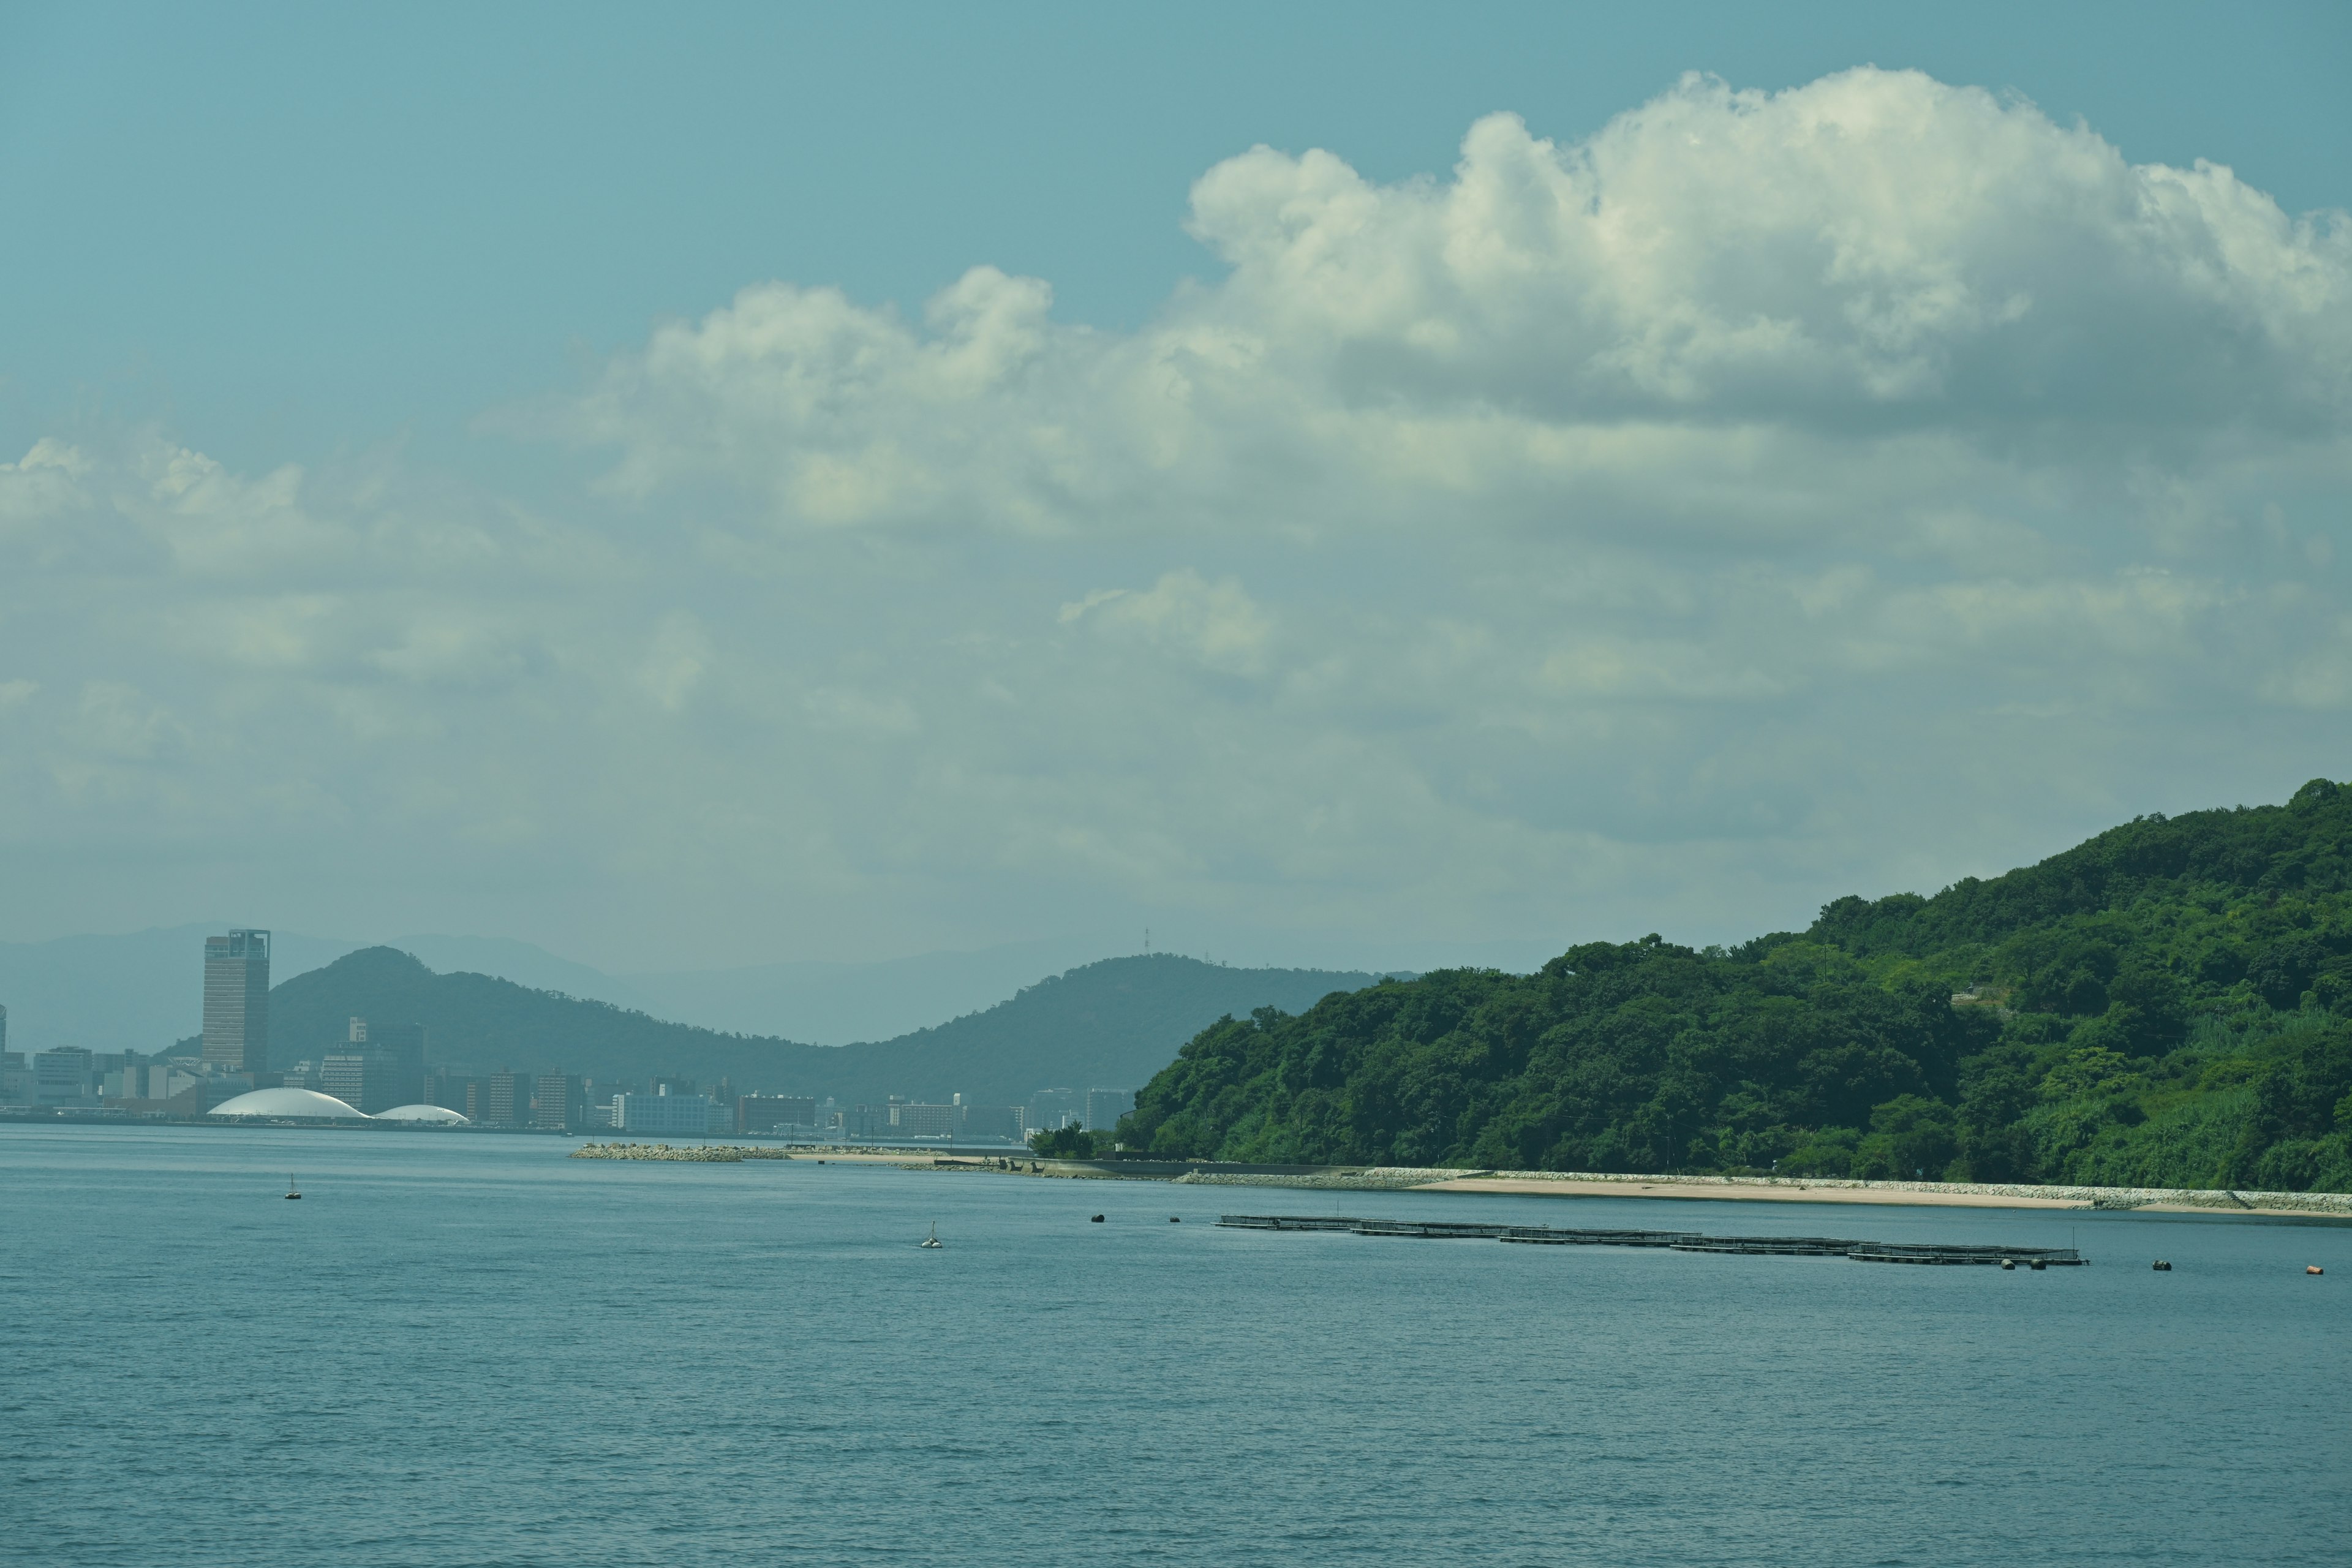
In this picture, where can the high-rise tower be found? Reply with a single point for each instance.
(236, 1001)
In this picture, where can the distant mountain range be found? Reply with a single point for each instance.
(144, 989)
(1107, 1025)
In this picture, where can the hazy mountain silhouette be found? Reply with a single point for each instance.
(1108, 1024)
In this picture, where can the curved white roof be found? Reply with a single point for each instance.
(287, 1103)
(423, 1113)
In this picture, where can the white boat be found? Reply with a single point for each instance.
(932, 1239)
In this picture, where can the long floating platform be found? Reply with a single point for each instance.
(1677, 1240)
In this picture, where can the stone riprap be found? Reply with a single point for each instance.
(700, 1154)
(1390, 1178)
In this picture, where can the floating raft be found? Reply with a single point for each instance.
(1678, 1240)
(1546, 1236)
(1928, 1252)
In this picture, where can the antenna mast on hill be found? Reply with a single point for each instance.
(1147, 938)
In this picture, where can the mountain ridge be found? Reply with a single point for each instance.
(1109, 1025)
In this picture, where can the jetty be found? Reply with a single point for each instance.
(694, 1154)
(1673, 1240)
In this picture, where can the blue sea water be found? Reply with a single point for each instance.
(467, 1349)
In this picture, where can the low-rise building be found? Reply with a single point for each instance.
(64, 1076)
(1001, 1123)
(909, 1120)
(774, 1112)
(1055, 1109)
(663, 1115)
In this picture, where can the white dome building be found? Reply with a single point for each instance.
(440, 1115)
(300, 1102)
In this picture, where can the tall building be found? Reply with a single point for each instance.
(403, 1046)
(509, 1104)
(1105, 1106)
(236, 1001)
(454, 1091)
(556, 1103)
(376, 1070)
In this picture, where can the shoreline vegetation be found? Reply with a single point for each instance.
(2165, 1007)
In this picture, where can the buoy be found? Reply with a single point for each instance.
(2009, 1263)
(2314, 1269)
(1098, 1219)
(1175, 1219)
(2040, 1265)
(2162, 1267)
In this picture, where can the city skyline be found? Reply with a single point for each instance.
(380, 1068)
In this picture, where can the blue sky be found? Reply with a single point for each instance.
(447, 495)
(322, 225)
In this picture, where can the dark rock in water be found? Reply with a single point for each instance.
(1098, 1219)
(2162, 1267)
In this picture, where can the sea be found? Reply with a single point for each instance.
(467, 1348)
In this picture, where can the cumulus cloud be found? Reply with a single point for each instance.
(1770, 496)
(1694, 313)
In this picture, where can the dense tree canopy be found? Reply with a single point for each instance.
(2164, 1004)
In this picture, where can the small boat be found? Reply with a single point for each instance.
(932, 1239)
(292, 1190)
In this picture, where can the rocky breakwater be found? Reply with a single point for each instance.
(700, 1154)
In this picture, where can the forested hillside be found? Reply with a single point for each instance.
(1108, 1025)
(2166, 1005)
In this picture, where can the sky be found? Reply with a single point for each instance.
(1362, 485)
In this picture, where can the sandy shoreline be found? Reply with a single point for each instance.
(2316, 1206)
(2324, 1207)
(1718, 1194)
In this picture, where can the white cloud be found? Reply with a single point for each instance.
(1769, 497)
(1700, 304)
(1215, 624)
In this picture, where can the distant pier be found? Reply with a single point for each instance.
(1674, 1240)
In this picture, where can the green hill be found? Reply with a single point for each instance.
(1109, 1025)
(2164, 1004)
